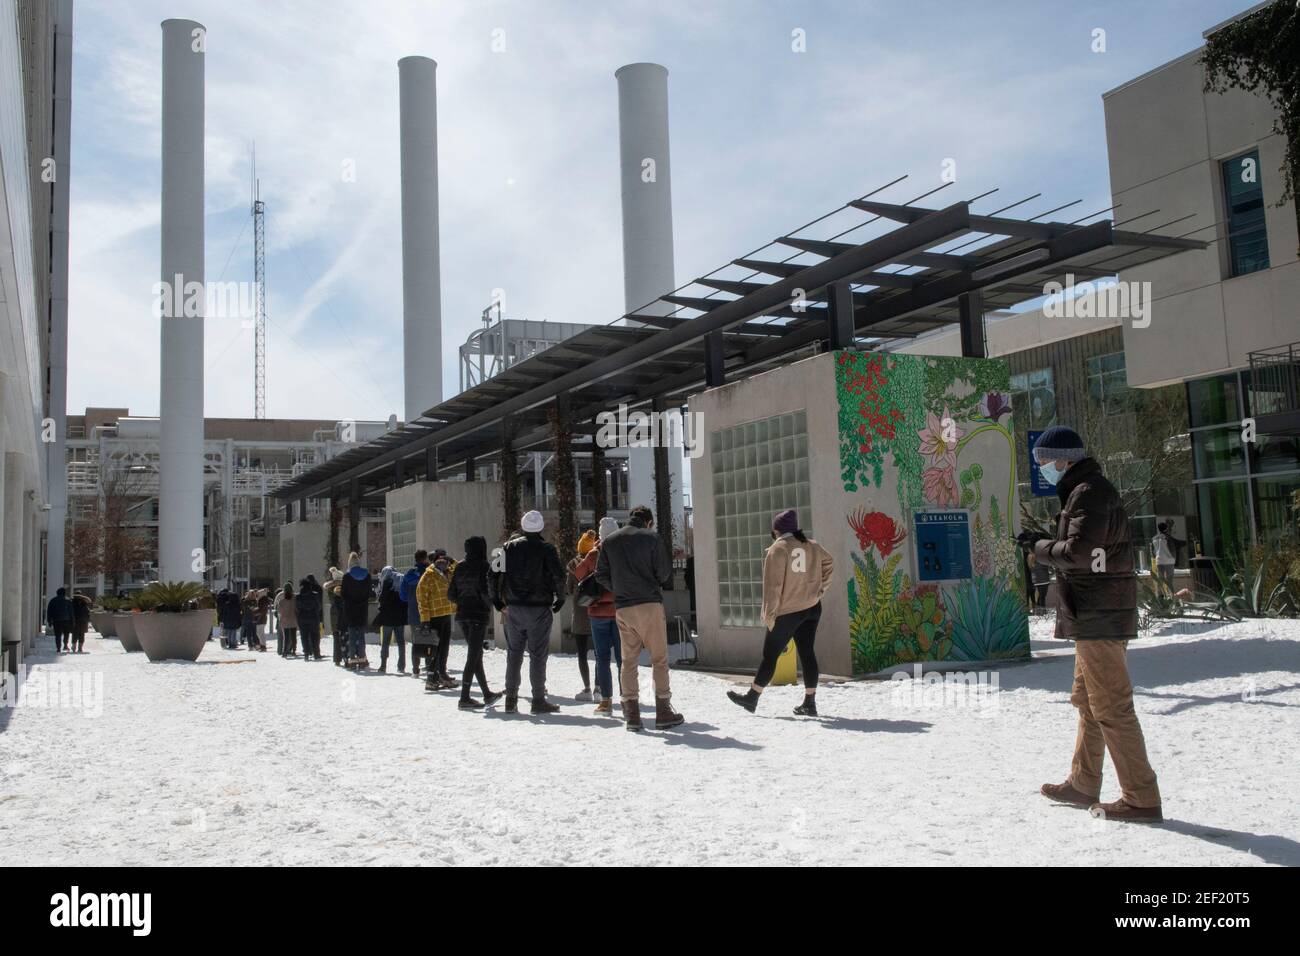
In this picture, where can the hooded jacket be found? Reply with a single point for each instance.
(1093, 557)
(229, 611)
(533, 575)
(356, 587)
(307, 603)
(468, 589)
(60, 610)
(410, 581)
(392, 609)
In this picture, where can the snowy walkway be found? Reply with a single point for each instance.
(276, 761)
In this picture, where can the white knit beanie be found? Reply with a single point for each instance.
(607, 527)
(532, 522)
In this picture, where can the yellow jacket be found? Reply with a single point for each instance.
(795, 576)
(431, 593)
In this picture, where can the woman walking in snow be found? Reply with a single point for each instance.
(796, 573)
(468, 589)
(604, 629)
(391, 619)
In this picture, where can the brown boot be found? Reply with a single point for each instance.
(1065, 793)
(605, 708)
(1126, 812)
(632, 714)
(665, 716)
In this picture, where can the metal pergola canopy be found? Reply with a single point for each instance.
(926, 268)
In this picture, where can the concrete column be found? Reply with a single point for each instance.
(180, 496)
(15, 534)
(648, 272)
(31, 572)
(421, 280)
(56, 465)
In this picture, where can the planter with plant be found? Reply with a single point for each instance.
(176, 621)
(124, 625)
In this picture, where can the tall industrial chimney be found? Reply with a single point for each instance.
(180, 494)
(646, 185)
(421, 280)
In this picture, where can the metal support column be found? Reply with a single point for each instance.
(839, 315)
(714, 361)
(970, 310)
(354, 516)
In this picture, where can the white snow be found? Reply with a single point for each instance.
(271, 761)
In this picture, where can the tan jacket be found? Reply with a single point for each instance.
(795, 576)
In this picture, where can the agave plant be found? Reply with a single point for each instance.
(173, 597)
(1244, 593)
(989, 622)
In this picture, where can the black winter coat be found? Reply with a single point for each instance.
(229, 611)
(1093, 557)
(533, 575)
(468, 588)
(392, 609)
(307, 603)
(356, 597)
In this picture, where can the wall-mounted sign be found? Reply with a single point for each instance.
(1040, 488)
(942, 541)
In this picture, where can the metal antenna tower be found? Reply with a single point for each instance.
(259, 290)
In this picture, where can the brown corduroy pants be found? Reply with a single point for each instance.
(1104, 697)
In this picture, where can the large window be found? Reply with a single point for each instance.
(1108, 384)
(1243, 196)
(759, 468)
(403, 538)
(1243, 489)
(1033, 399)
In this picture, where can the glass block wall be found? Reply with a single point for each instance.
(759, 468)
(403, 539)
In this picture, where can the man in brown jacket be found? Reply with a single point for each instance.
(1097, 609)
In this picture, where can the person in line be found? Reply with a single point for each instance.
(1164, 547)
(1092, 553)
(229, 617)
(356, 589)
(80, 622)
(391, 619)
(796, 573)
(1040, 575)
(286, 612)
(528, 590)
(579, 625)
(263, 617)
(604, 629)
(308, 609)
(420, 638)
(468, 590)
(436, 610)
(338, 616)
(60, 614)
(248, 621)
(634, 565)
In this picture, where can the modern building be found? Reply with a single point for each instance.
(113, 461)
(1224, 321)
(35, 96)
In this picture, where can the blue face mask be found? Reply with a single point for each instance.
(1049, 472)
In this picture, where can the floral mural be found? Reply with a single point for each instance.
(921, 433)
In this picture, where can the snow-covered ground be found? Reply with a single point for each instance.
(251, 759)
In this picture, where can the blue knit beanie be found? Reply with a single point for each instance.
(1059, 443)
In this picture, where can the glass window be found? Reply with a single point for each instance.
(1274, 453)
(1108, 383)
(763, 470)
(1217, 453)
(1275, 508)
(1213, 401)
(1225, 517)
(1243, 196)
(403, 538)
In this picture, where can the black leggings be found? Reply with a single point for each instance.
(473, 632)
(583, 641)
(442, 626)
(802, 627)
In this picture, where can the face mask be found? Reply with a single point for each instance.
(1050, 473)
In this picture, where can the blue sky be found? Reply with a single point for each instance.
(763, 140)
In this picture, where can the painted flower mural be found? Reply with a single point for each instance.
(912, 419)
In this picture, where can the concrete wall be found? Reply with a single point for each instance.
(448, 512)
(807, 385)
(305, 543)
(1166, 139)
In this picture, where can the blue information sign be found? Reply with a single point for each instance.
(942, 545)
(1040, 488)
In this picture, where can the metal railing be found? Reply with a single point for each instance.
(1274, 385)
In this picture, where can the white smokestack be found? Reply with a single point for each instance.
(645, 176)
(180, 495)
(421, 281)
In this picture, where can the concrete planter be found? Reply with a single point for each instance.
(102, 622)
(124, 624)
(173, 637)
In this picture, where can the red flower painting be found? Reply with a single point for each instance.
(878, 529)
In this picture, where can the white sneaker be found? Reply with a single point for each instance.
(583, 695)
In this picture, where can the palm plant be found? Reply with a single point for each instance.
(173, 597)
